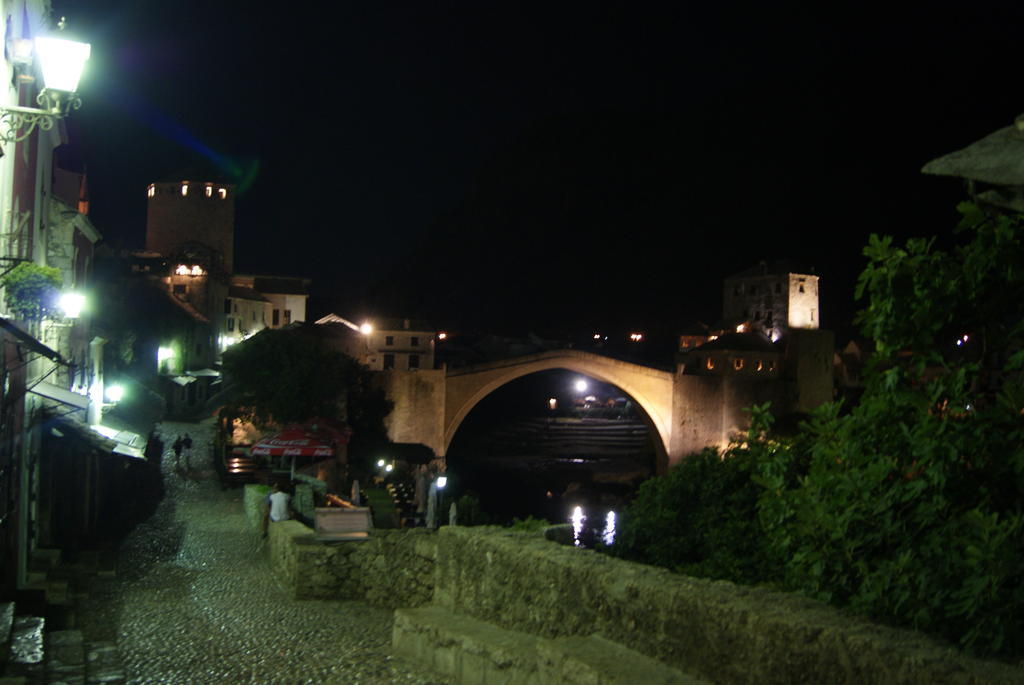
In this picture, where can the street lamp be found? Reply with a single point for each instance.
(61, 62)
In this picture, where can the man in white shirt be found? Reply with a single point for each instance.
(278, 507)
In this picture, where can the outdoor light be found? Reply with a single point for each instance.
(164, 353)
(380, 463)
(441, 482)
(389, 468)
(61, 62)
(581, 385)
(366, 328)
(115, 393)
(71, 304)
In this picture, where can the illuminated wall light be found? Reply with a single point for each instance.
(552, 404)
(366, 328)
(184, 189)
(115, 393)
(151, 191)
(636, 337)
(442, 336)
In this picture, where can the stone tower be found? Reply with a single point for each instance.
(181, 213)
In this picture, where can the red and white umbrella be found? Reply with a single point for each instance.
(293, 443)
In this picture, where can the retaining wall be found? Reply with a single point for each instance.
(719, 631)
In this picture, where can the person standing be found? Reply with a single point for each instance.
(186, 445)
(177, 446)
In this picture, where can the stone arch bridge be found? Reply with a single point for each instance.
(684, 413)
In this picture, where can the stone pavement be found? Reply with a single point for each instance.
(194, 601)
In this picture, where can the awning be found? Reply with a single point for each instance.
(59, 394)
(293, 443)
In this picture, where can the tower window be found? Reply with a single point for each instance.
(223, 192)
(184, 189)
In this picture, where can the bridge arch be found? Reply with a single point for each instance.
(651, 389)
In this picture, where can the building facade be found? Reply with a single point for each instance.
(772, 298)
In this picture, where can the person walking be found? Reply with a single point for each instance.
(177, 446)
(186, 445)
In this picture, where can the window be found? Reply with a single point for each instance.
(389, 362)
(231, 324)
(414, 361)
(710, 363)
(760, 365)
(276, 317)
(737, 363)
(227, 306)
(236, 308)
(414, 341)
(801, 287)
(287, 316)
(389, 340)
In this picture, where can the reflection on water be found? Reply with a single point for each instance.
(584, 535)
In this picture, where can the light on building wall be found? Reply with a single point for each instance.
(186, 270)
(636, 337)
(581, 385)
(115, 393)
(366, 328)
(61, 62)
(164, 353)
(71, 304)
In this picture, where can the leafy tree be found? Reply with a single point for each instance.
(32, 290)
(911, 506)
(284, 376)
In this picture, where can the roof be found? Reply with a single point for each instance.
(998, 158)
(280, 285)
(240, 292)
(739, 342)
(778, 267)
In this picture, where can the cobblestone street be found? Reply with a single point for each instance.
(193, 600)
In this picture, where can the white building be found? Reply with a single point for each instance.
(388, 344)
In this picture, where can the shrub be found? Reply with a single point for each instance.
(31, 290)
(701, 517)
(911, 507)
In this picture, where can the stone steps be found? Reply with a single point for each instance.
(470, 651)
(48, 651)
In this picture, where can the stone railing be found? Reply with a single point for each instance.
(715, 630)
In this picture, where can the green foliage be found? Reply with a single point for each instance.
(469, 511)
(284, 376)
(701, 518)
(529, 524)
(31, 290)
(909, 508)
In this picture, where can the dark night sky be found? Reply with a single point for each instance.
(521, 164)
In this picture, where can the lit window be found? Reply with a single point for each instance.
(184, 189)
(223, 192)
(760, 365)
(151, 192)
(209, 191)
(737, 363)
(771, 365)
(710, 363)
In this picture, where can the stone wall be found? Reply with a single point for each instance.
(718, 631)
(393, 568)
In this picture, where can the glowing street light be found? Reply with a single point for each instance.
(71, 304)
(115, 393)
(61, 62)
(366, 328)
(581, 385)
